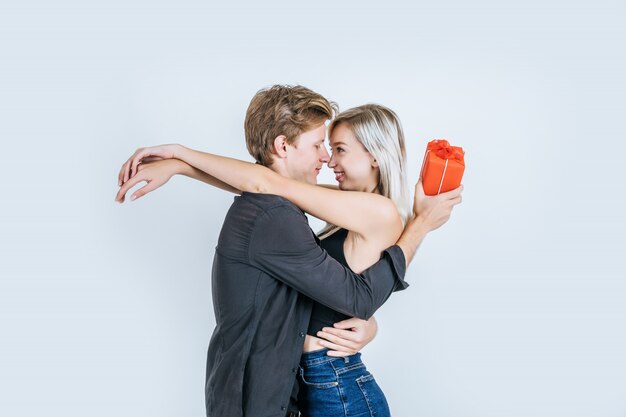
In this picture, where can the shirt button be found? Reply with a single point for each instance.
(283, 408)
(293, 370)
(301, 334)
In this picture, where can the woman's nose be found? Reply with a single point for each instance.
(331, 162)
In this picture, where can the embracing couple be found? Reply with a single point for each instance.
(292, 308)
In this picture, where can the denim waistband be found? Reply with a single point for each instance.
(317, 357)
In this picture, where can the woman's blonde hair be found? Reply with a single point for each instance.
(379, 130)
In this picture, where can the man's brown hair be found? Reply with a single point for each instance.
(283, 110)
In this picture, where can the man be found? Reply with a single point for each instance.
(268, 264)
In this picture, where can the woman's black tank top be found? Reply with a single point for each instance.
(322, 316)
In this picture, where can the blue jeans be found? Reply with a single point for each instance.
(334, 387)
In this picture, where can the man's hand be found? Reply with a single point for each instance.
(155, 173)
(348, 337)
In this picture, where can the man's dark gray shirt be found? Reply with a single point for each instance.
(268, 266)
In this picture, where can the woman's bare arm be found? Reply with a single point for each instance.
(158, 173)
(365, 213)
(197, 174)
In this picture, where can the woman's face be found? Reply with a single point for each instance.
(355, 168)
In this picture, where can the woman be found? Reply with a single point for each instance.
(368, 155)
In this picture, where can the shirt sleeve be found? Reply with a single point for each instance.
(283, 245)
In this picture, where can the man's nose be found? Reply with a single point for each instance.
(324, 157)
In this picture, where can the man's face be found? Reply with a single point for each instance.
(307, 155)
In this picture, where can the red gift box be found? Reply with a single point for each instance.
(443, 167)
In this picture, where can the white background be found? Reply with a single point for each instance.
(516, 306)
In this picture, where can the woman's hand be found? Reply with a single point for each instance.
(155, 173)
(142, 155)
(429, 213)
(435, 210)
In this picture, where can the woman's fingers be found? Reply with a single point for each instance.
(122, 175)
(148, 154)
(127, 168)
(127, 186)
(453, 197)
(452, 193)
(419, 188)
(144, 155)
(151, 159)
(136, 160)
(150, 186)
(128, 165)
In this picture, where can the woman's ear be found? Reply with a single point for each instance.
(280, 146)
(374, 163)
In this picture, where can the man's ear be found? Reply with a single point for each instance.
(280, 146)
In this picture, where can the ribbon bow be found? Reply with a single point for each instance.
(443, 150)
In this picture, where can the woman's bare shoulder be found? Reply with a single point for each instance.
(329, 186)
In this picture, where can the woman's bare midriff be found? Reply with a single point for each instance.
(312, 343)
